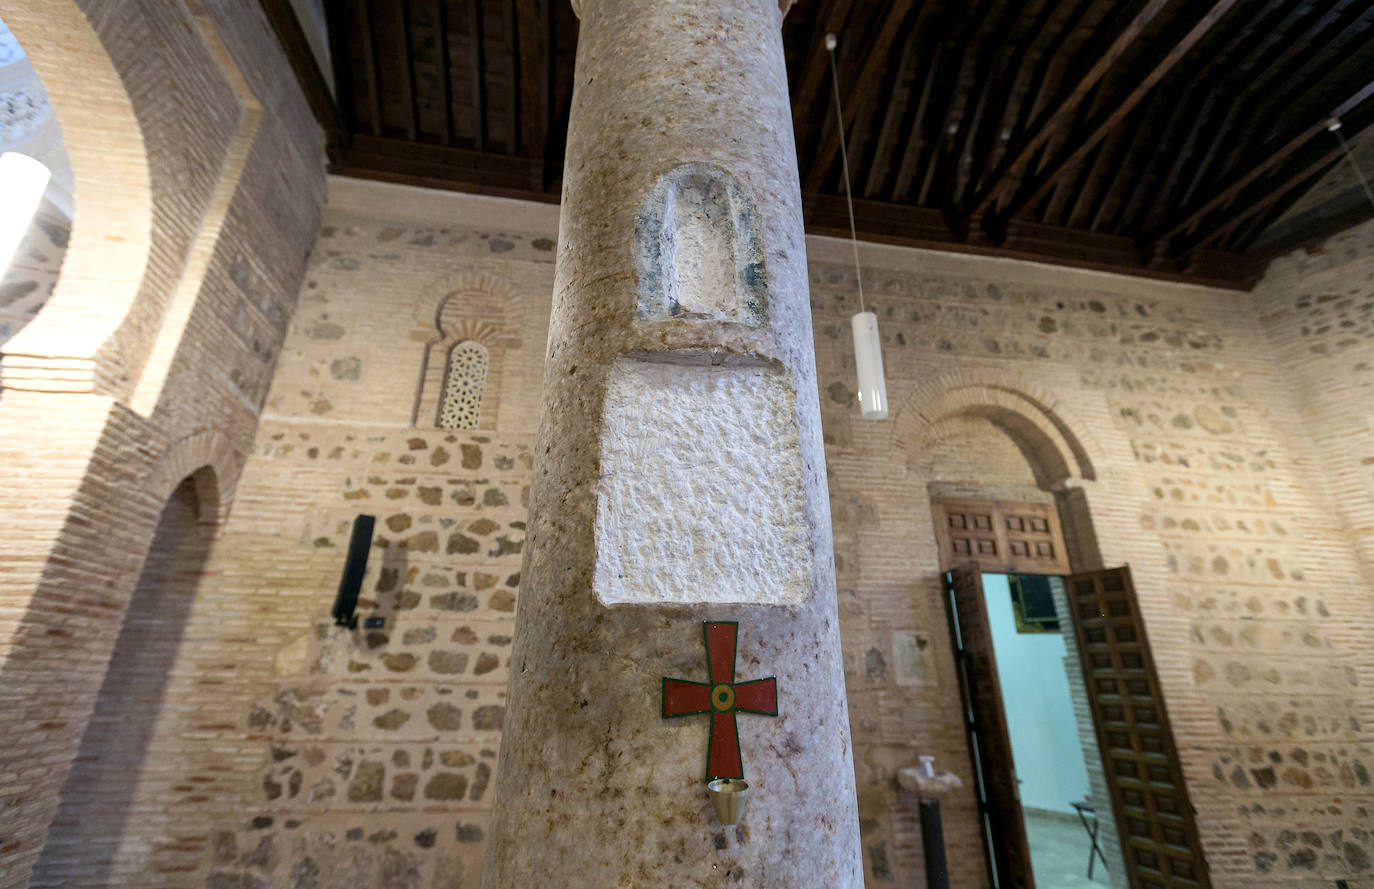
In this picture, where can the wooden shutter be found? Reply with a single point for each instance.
(999, 797)
(1001, 536)
(1154, 819)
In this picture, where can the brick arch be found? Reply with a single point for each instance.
(1057, 446)
(475, 306)
(76, 343)
(206, 456)
(472, 298)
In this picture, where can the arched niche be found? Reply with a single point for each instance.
(699, 250)
(462, 367)
(127, 755)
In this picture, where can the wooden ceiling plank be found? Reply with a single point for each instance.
(374, 76)
(412, 109)
(1040, 81)
(914, 144)
(1287, 55)
(1051, 201)
(530, 19)
(961, 147)
(905, 225)
(830, 19)
(1344, 70)
(1090, 193)
(1301, 170)
(951, 72)
(1247, 232)
(986, 139)
(876, 172)
(875, 63)
(1116, 164)
(1195, 106)
(1267, 162)
(477, 60)
(445, 75)
(513, 86)
(1064, 105)
(1115, 110)
(1165, 123)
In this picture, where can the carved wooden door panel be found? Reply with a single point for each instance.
(1154, 818)
(1001, 536)
(998, 796)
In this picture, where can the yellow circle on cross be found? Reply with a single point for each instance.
(723, 696)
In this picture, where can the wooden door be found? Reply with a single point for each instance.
(998, 796)
(1154, 819)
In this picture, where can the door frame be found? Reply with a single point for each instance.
(1027, 538)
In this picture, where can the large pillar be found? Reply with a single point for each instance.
(679, 480)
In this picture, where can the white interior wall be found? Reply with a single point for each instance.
(1039, 710)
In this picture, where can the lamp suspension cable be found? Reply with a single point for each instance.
(868, 346)
(1335, 127)
(830, 44)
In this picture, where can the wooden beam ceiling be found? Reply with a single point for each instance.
(1152, 137)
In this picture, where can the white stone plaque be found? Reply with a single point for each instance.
(700, 498)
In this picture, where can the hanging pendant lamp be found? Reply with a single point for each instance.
(868, 348)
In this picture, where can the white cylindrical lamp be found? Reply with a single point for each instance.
(22, 183)
(868, 358)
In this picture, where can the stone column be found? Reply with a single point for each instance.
(679, 479)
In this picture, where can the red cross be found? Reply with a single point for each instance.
(722, 697)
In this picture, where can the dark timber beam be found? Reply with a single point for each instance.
(440, 12)
(830, 19)
(950, 72)
(990, 129)
(884, 223)
(915, 139)
(1304, 169)
(875, 61)
(1064, 105)
(1079, 144)
(1269, 161)
(891, 113)
(408, 82)
(370, 68)
(531, 16)
(1287, 57)
(476, 57)
(984, 67)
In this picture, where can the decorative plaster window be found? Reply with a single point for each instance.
(464, 379)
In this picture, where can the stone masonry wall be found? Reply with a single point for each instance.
(364, 759)
(1318, 312)
(1202, 481)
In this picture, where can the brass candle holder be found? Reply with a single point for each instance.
(728, 795)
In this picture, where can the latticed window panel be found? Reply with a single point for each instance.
(465, 378)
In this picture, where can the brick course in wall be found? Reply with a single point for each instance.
(150, 96)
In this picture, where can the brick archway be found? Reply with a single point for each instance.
(1057, 445)
(81, 341)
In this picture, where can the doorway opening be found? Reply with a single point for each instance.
(1059, 688)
